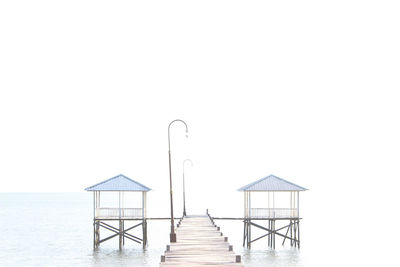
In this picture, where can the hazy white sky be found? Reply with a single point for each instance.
(305, 90)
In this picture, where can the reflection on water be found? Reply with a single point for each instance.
(126, 257)
(288, 257)
(151, 257)
(56, 230)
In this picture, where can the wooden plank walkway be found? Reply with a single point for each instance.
(199, 243)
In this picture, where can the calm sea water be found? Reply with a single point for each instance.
(55, 229)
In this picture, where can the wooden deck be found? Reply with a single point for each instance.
(199, 243)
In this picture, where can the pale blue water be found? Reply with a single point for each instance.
(55, 229)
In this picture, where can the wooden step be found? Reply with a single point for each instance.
(199, 243)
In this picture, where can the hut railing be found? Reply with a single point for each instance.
(273, 213)
(116, 213)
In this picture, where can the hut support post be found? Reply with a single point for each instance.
(94, 219)
(144, 220)
(97, 233)
(298, 233)
(120, 233)
(123, 231)
(245, 219)
(294, 235)
(123, 221)
(269, 236)
(96, 226)
(244, 232)
(249, 220)
(291, 233)
(273, 229)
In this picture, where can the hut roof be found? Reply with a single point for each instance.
(118, 183)
(272, 183)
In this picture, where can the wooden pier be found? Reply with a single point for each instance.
(199, 243)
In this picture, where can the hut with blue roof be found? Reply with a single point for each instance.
(288, 213)
(116, 218)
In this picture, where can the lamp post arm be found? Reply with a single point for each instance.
(169, 128)
(183, 165)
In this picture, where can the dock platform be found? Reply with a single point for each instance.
(199, 243)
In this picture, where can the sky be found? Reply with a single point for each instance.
(305, 90)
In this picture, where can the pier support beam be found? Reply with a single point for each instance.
(119, 231)
(292, 232)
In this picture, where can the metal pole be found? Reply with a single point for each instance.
(184, 197)
(172, 235)
(183, 172)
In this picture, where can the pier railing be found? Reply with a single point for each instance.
(116, 213)
(273, 213)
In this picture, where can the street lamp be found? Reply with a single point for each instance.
(172, 236)
(183, 172)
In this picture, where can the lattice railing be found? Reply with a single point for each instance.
(116, 213)
(273, 213)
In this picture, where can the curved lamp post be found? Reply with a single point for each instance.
(183, 174)
(172, 236)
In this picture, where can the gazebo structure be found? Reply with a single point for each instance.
(279, 202)
(114, 204)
